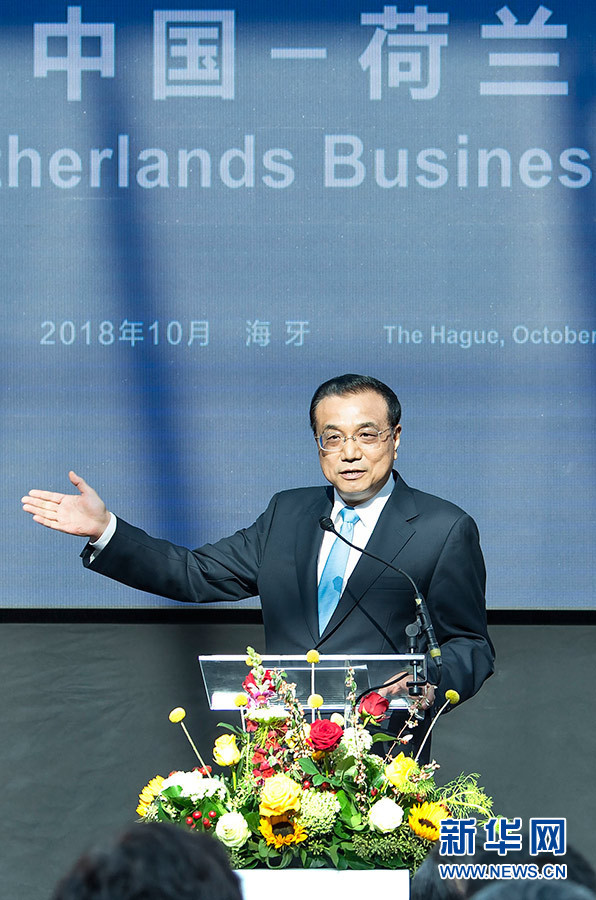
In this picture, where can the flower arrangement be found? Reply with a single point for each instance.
(298, 789)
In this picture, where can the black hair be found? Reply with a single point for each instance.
(535, 890)
(155, 861)
(427, 883)
(355, 384)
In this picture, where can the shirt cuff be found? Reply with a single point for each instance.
(105, 538)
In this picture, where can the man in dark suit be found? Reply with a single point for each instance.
(360, 605)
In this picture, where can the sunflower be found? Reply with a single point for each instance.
(281, 831)
(148, 794)
(425, 820)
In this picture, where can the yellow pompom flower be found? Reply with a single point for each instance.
(315, 701)
(240, 700)
(425, 820)
(400, 769)
(452, 696)
(225, 750)
(149, 793)
(312, 657)
(279, 795)
(280, 831)
(177, 715)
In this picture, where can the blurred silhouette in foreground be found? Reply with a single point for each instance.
(428, 884)
(154, 862)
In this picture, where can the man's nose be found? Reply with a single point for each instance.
(351, 449)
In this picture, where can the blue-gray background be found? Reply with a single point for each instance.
(190, 441)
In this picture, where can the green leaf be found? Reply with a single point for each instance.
(379, 736)
(354, 862)
(233, 728)
(308, 766)
(345, 765)
(173, 791)
(253, 821)
(284, 860)
(345, 804)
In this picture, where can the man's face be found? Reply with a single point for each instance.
(357, 472)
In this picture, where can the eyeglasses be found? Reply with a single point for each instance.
(332, 441)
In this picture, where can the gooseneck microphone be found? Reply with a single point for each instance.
(422, 614)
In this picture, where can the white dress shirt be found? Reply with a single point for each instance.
(369, 513)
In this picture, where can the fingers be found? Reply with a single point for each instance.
(41, 511)
(49, 496)
(78, 482)
(47, 521)
(429, 697)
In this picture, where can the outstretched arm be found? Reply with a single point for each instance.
(83, 514)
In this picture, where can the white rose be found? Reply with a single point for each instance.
(232, 829)
(194, 785)
(385, 815)
(188, 782)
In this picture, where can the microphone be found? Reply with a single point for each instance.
(422, 614)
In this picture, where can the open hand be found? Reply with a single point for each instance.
(83, 514)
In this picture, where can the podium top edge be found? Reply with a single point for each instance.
(338, 657)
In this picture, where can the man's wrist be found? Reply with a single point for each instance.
(98, 542)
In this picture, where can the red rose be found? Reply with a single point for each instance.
(325, 735)
(374, 706)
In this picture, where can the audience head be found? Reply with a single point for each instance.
(152, 862)
(535, 890)
(427, 884)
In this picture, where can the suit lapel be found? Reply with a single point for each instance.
(308, 542)
(391, 533)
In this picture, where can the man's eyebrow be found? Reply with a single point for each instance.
(358, 427)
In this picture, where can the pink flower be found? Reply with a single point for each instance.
(259, 694)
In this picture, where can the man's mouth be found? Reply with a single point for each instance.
(350, 474)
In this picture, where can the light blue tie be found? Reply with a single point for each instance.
(332, 576)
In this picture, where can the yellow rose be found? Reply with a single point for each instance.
(400, 769)
(279, 795)
(225, 750)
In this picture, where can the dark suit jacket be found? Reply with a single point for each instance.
(276, 558)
